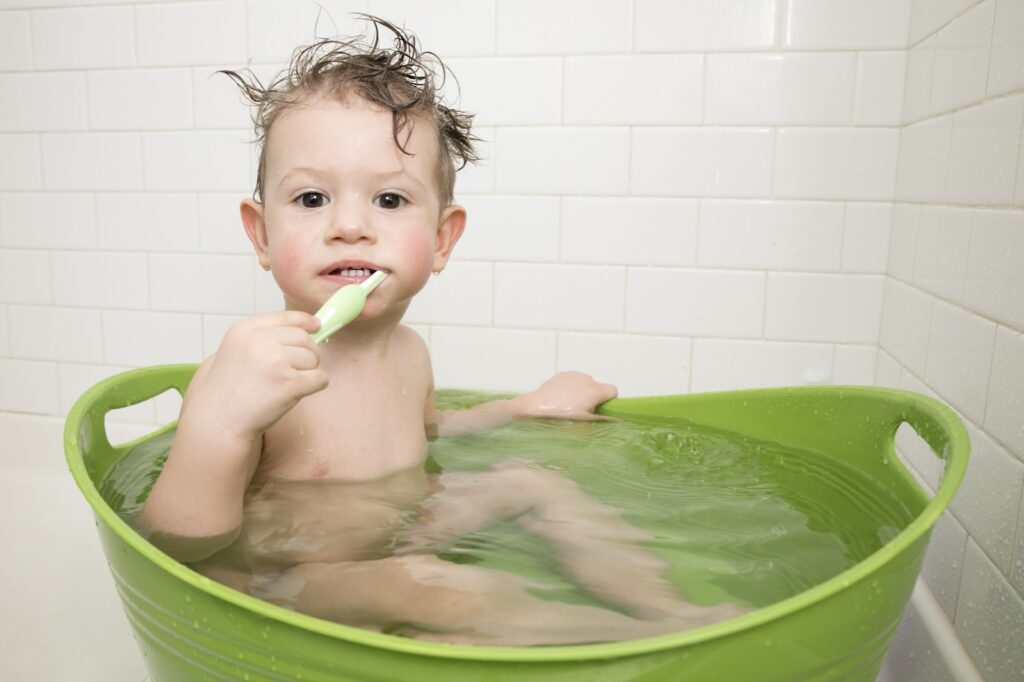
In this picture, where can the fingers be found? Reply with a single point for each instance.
(285, 318)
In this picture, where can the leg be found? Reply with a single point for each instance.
(593, 544)
(425, 597)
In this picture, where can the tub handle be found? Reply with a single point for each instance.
(86, 422)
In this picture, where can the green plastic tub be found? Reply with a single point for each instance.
(191, 628)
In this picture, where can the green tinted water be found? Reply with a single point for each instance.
(738, 519)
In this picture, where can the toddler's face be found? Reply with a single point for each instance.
(340, 199)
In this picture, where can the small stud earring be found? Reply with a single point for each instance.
(435, 272)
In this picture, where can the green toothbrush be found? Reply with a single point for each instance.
(344, 305)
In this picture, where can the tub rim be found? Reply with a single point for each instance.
(920, 410)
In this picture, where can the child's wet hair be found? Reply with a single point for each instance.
(401, 78)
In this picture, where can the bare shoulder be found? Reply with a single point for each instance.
(412, 346)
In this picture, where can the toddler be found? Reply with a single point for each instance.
(297, 471)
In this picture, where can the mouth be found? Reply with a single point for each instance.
(349, 272)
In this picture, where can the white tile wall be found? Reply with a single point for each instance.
(48, 220)
(675, 195)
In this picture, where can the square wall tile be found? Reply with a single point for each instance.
(944, 560)
(788, 89)
(500, 101)
(866, 234)
(720, 365)
(943, 238)
(23, 169)
(927, 18)
(276, 27)
(771, 235)
(5, 338)
(843, 308)
(83, 38)
(136, 339)
(637, 365)
(201, 283)
(25, 277)
(1007, 53)
(906, 323)
(961, 59)
(854, 365)
(43, 101)
(477, 178)
(983, 152)
(959, 358)
(100, 279)
(567, 297)
(887, 370)
(27, 386)
(220, 225)
(191, 33)
(903, 241)
(631, 231)
(989, 498)
(510, 228)
(924, 160)
(200, 161)
(452, 27)
(563, 28)
(633, 89)
(140, 99)
(990, 618)
(92, 161)
(576, 160)
(880, 87)
(490, 359)
(705, 25)
(995, 279)
(836, 163)
(695, 302)
(699, 162)
(143, 221)
(1003, 409)
(15, 41)
(462, 294)
(917, 93)
(865, 24)
(41, 333)
(47, 220)
(217, 101)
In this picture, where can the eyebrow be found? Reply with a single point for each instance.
(383, 175)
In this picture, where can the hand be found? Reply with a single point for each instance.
(566, 395)
(264, 366)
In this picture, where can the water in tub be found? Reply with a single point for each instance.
(549, 532)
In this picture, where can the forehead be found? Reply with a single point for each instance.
(349, 135)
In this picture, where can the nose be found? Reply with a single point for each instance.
(349, 223)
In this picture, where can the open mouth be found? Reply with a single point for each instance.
(350, 272)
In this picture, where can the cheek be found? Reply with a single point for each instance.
(286, 261)
(418, 254)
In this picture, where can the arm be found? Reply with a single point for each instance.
(264, 366)
(566, 395)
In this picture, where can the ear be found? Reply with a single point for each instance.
(256, 229)
(449, 229)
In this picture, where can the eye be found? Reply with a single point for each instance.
(311, 199)
(390, 200)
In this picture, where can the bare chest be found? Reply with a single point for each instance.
(353, 431)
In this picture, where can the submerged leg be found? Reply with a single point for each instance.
(591, 541)
(428, 598)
